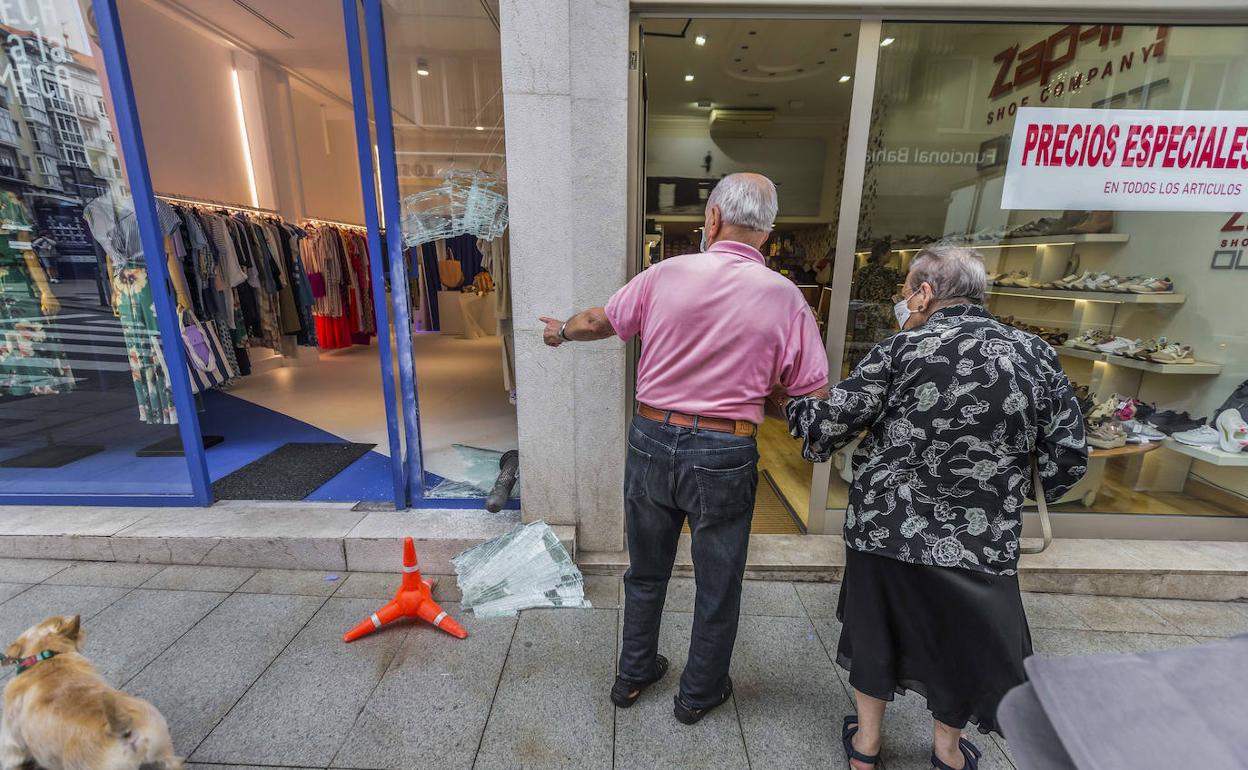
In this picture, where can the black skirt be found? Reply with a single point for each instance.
(956, 637)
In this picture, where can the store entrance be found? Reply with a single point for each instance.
(769, 96)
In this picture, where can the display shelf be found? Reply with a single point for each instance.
(1208, 454)
(1038, 240)
(1134, 363)
(1156, 298)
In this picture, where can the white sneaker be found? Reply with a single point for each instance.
(1118, 346)
(1232, 432)
(1202, 436)
(1148, 431)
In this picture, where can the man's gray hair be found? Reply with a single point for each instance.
(953, 272)
(746, 200)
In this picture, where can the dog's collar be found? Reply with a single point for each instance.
(26, 663)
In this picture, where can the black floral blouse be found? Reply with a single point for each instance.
(953, 411)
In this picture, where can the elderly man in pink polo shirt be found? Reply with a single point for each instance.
(719, 332)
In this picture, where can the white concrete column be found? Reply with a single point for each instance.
(565, 99)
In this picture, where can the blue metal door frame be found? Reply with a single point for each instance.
(130, 137)
(379, 72)
(363, 147)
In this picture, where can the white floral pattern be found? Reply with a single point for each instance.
(953, 412)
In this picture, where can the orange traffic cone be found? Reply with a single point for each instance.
(413, 600)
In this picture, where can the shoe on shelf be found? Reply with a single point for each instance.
(1171, 422)
(1202, 436)
(1142, 430)
(1094, 222)
(1104, 410)
(1118, 346)
(1089, 340)
(1146, 349)
(1107, 434)
(1150, 285)
(1232, 431)
(1174, 353)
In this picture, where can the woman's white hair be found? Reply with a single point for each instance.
(953, 272)
(746, 200)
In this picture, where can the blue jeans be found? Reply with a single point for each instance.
(710, 478)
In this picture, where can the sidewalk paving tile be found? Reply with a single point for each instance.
(182, 577)
(648, 736)
(1202, 618)
(200, 766)
(103, 573)
(1117, 613)
(9, 590)
(790, 714)
(819, 599)
(301, 710)
(1138, 643)
(770, 597)
(139, 626)
(29, 570)
(299, 582)
(1049, 611)
(552, 709)
(908, 737)
(605, 592)
(431, 706)
(200, 678)
(41, 601)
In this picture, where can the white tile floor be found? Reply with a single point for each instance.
(460, 385)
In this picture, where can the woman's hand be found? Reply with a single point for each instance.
(49, 304)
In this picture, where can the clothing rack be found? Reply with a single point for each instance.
(215, 204)
(334, 223)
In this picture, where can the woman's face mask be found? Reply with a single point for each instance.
(902, 310)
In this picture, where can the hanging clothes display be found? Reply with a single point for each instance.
(337, 263)
(30, 356)
(497, 263)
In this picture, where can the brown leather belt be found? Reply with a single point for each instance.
(717, 424)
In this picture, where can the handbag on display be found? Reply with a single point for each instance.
(484, 282)
(1042, 507)
(205, 357)
(451, 273)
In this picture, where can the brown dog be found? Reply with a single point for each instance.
(59, 714)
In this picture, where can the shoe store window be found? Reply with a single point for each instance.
(1145, 308)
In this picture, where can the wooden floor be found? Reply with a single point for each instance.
(781, 455)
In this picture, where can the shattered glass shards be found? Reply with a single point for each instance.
(478, 470)
(467, 202)
(527, 567)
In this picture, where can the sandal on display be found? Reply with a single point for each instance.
(970, 752)
(848, 731)
(625, 693)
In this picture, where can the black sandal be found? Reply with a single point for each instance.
(848, 730)
(969, 750)
(686, 714)
(625, 693)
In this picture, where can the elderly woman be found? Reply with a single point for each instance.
(955, 407)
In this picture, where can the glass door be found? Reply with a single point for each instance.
(436, 80)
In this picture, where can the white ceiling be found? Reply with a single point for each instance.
(311, 41)
(792, 66)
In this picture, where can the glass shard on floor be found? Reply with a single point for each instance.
(475, 477)
(527, 567)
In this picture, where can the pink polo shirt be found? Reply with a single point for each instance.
(719, 331)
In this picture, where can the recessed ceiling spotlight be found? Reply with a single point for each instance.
(771, 74)
(844, 79)
(819, 62)
(831, 50)
(753, 32)
(801, 69)
(700, 40)
(744, 69)
(849, 34)
(688, 78)
(479, 128)
(422, 68)
(745, 48)
(887, 42)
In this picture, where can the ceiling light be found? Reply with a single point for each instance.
(844, 79)
(424, 73)
(688, 78)
(700, 40)
(479, 128)
(887, 42)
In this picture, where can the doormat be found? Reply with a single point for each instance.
(290, 472)
(772, 513)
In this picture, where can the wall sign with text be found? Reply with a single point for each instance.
(1128, 160)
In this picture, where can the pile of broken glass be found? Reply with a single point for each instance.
(465, 203)
(527, 567)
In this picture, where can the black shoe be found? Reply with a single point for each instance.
(625, 693)
(691, 716)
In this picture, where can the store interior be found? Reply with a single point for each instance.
(1140, 306)
(248, 124)
(771, 96)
